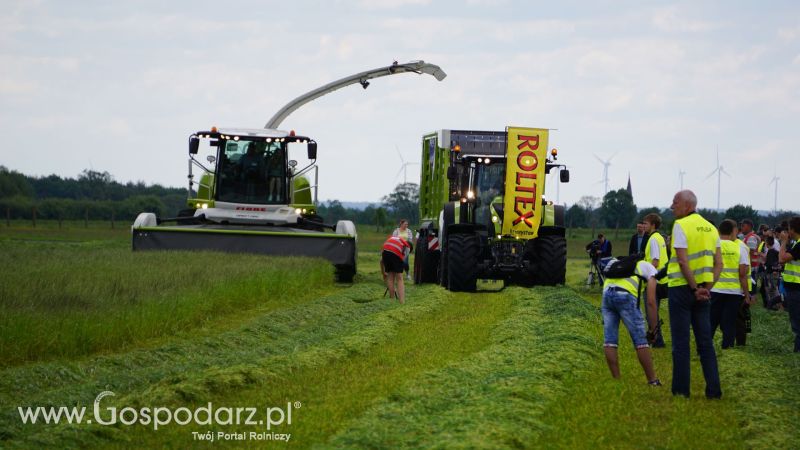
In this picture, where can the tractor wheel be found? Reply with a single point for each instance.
(345, 273)
(442, 268)
(462, 255)
(551, 260)
(419, 257)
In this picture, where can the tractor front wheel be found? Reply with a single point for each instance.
(551, 259)
(462, 262)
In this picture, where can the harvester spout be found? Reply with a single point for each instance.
(420, 67)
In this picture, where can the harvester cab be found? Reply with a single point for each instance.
(251, 198)
(485, 215)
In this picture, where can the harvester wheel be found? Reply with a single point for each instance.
(551, 259)
(345, 273)
(426, 262)
(462, 256)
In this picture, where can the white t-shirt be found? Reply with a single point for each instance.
(679, 238)
(655, 250)
(643, 268)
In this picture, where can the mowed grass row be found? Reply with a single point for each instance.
(72, 299)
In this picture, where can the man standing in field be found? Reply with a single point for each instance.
(655, 252)
(695, 266)
(790, 257)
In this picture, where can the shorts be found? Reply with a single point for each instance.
(618, 305)
(391, 262)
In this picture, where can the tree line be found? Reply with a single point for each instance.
(94, 195)
(617, 210)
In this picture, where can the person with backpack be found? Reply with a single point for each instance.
(656, 253)
(621, 291)
(729, 293)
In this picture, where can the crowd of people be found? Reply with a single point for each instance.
(710, 276)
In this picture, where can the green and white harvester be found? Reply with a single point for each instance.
(252, 198)
(483, 210)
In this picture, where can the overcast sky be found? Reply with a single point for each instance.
(119, 86)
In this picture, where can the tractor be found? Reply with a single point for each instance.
(483, 212)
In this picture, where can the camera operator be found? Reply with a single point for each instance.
(599, 248)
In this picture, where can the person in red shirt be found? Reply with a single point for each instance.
(392, 266)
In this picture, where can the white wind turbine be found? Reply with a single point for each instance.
(681, 173)
(605, 164)
(403, 166)
(775, 180)
(719, 171)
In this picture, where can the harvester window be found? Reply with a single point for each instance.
(252, 172)
(489, 186)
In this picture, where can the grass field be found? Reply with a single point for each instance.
(519, 368)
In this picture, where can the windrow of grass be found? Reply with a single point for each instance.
(494, 398)
(66, 300)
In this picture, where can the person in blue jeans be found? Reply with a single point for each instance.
(620, 301)
(693, 270)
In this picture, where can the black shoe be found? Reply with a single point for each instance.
(659, 345)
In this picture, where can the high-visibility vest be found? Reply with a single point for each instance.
(754, 261)
(749, 268)
(662, 259)
(701, 240)
(729, 278)
(791, 270)
(630, 284)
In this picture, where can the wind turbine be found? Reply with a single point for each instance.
(403, 166)
(680, 175)
(605, 164)
(775, 180)
(719, 171)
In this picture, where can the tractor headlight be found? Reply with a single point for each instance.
(205, 205)
(298, 211)
(470, 195)
(495, 219)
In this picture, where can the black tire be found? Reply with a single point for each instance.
(186, 213)
(462, 264)
(419, 256)
(442, 268)
(551, 260)
(345, 273)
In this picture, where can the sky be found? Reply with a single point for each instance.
(657, 87)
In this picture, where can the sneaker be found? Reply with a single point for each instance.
(654, 383)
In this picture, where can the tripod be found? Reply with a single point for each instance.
(595, 274)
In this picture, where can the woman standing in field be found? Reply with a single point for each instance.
(394, 249)
(402, 231)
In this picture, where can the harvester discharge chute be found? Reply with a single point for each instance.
(252, 199)
(483, 210)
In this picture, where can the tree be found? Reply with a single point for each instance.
(715, 217)
(380, 218)
(618, 209)
(404, 202)
(13, 183)
(646, 211)
(577, 217)
(741, 212)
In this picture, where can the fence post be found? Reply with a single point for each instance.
(59, 221)
(34, 217)
(112, 220)
(8, 216)
(86, 218)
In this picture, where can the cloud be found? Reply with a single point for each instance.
(673, 21)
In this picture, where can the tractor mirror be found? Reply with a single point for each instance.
(312, 150)
(194, 144)
(564, 176)
(452, 173)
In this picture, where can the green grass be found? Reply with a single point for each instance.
(516, 369)
(69, 299)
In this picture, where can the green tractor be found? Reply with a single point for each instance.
(483, 211)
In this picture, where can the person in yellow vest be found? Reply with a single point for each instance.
(693, 269)
(655, 252)
(620, 301)
(731, 290)
(789, 256)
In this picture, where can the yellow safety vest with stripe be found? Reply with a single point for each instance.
(630, 284)
(701, 240)
(729, 278)
(791, 270)
(662, 259)
(749, 268)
